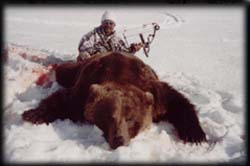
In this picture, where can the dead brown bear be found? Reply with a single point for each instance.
(121, 95)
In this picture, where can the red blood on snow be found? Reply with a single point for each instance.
(42, 79)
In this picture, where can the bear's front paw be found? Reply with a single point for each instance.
(36, 116)
(193, 134)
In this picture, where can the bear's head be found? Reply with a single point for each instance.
(121, 111)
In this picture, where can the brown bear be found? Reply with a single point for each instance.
(121, 95)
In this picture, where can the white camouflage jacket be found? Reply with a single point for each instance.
(96, 41)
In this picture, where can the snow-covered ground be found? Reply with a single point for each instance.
(198, 50)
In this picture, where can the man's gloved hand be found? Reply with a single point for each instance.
(134, 47)
(82, 56)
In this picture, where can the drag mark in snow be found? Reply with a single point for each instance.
(47, 62)
(227, 102)
(213, 141)
(168, 20)
(171, 20)
(41, 57)
(171, 15)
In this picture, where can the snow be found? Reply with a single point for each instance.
(198, 50)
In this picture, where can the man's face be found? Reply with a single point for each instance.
(108, 26)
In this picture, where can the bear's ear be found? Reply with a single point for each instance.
(95, 88)
(149, 98)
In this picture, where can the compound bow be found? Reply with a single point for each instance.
(150, 38)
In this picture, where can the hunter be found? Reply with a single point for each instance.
(103, 39)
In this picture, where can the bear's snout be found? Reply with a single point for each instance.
(116, 142)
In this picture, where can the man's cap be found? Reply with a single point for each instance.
(108, 16)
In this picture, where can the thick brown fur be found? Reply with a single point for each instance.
(121, 95)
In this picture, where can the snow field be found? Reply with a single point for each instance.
(197, 51)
